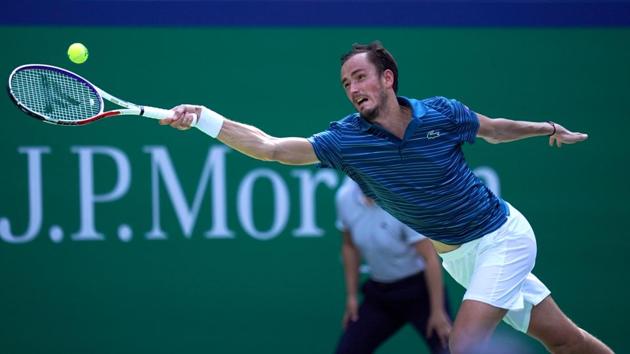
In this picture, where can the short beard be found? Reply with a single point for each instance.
(372, 114)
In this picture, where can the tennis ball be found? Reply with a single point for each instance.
(77, 53)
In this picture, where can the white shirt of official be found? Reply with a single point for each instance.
(386, 244)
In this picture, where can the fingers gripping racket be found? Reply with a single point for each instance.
(61, 97)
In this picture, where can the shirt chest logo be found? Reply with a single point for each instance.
(432, 134)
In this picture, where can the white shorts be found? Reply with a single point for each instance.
(496, 269)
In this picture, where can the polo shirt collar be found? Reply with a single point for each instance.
(417, 111)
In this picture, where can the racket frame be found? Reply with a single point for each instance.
(128, 107)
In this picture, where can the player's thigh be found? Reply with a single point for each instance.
(474, 324)
(374, 326)
(551, 326)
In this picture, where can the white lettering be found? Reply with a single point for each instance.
(34, 157)
(88, 198)
(308, 187)
(161, 166)
(244, 202)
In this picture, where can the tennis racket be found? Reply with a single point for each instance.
(61, 97)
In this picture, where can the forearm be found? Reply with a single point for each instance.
(502, 130)
(351, 262)
(247, 139)
(244, 138)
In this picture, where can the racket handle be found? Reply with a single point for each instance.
(159, 113)
(209, 122)
(156, 113)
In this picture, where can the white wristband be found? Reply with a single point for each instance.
(210, 122)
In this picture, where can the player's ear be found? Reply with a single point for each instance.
(388, 78)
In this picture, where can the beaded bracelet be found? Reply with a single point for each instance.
(554, 127)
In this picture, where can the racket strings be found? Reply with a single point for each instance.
(55, 95)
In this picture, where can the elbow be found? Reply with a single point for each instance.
(274, 154)
(490, 138)
(494, 131)
(432, 262)
(277, 153)
(493, 136)
(269, 151)
(493, 140)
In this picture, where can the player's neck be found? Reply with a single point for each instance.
(394, 118)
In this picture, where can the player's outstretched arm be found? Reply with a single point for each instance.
(247, 139)
(501, 130)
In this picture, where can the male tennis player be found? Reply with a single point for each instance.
(405, 283)
(406, 155)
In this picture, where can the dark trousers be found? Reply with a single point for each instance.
(386, 307)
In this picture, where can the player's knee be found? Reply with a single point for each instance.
(569, 343)
(461, 343)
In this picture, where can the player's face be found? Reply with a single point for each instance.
(363, 85)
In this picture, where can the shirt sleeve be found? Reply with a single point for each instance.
(327, 147)
(466, 121)
(412, 236)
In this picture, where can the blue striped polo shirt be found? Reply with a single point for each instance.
(423, 180)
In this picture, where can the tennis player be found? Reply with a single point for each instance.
(405, 283)
(406, 154)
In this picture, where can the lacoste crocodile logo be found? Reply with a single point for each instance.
(432, 134)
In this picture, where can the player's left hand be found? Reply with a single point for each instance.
(565, 136)
(440, 324)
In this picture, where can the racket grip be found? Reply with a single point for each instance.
(156, 113)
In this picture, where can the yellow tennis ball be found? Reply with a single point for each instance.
(77, 53)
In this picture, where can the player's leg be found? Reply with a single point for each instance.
(474, 324)
(493, 269)
(374, 326)
(559, 334)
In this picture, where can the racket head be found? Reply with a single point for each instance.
(54, 95)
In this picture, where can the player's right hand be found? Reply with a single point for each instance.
(184, 116)
(352, 311)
